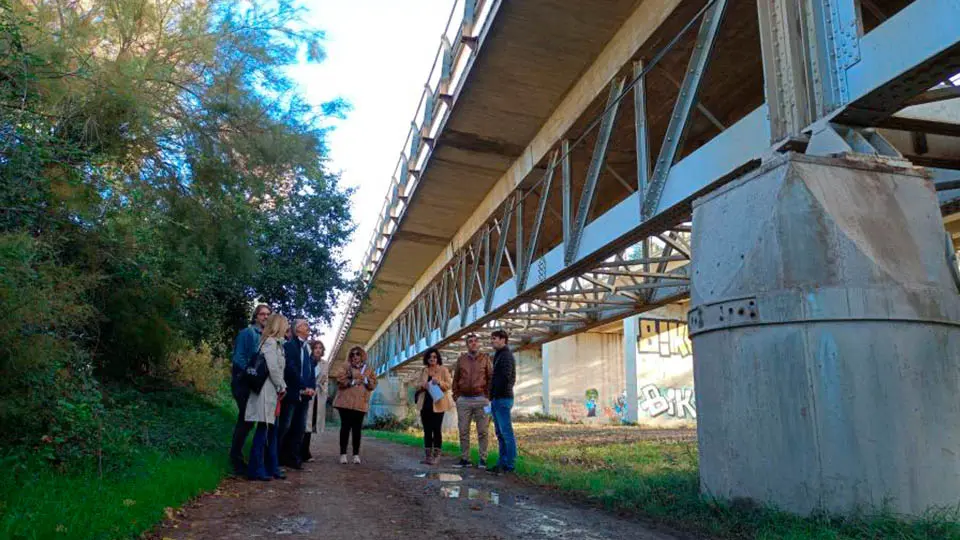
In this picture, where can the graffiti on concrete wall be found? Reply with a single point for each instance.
(592, 395)
(571, 410)
(653, 402)
(673, 402)
(665, 338)
(620, 406)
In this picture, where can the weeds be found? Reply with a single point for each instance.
(159, 449)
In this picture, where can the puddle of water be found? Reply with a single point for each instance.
(473, 494)
(491, 497)
(443, 477)
(289, 526)
(541, 522)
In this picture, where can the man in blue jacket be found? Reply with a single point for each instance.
(301, 385)
(245, 346)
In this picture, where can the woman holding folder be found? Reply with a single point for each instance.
(433, 400)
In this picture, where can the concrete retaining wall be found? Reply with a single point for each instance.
(588, 381)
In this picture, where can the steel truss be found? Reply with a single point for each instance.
(822, 74)
(616, 287)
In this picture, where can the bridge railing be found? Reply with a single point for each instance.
(461, 38)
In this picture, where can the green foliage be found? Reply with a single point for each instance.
(537, 417)
(48, 390)
(158, 174)
(159, 450)
(199, 369)
(390, 422)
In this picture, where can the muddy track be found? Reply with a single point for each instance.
(390, 496)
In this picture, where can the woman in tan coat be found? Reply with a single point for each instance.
(431, 411)
(262, 405)
(355, 383)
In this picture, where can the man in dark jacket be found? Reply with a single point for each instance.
(246, 344)
(501, 401)
(301, 383)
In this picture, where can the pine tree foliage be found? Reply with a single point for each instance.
(158, 173)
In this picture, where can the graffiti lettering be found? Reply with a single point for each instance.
(652, 402)
(675, 402)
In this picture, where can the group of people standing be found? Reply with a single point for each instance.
(479, 385)
(289, 407)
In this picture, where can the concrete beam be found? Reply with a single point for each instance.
(641, 25)
(546, 378)
(631, 332)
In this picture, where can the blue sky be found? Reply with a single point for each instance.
(379, 53)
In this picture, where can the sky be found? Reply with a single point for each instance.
(379, 53)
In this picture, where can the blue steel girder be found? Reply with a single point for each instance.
(884, 77)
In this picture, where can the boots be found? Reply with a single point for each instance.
(428, 456)
(436, 456)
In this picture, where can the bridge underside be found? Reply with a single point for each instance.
(549, 188)
(523, 208)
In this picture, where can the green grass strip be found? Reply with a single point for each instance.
(659, 481)
(160, 449)
(119, 505)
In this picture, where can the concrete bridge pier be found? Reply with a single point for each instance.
(826, 332)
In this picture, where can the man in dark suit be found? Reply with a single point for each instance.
(301, 385)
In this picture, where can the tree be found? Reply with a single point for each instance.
(158, 150)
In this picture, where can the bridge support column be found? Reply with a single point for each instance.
(545, 392)
(826, 335)
(631, 332)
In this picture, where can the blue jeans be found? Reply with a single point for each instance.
(264, 442)
(500, 409)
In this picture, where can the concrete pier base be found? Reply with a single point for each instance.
(826, 339)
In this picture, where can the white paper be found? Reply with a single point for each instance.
(436, 393)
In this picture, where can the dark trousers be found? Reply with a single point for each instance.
(240, 431)
(432, 422)
(284, 423)
(351, 421)
(290, 451)
(263, 454)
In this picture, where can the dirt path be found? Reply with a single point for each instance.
(385, 498)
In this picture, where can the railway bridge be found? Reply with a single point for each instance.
(775, 181)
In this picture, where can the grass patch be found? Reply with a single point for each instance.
(659, 481)
(159, 450)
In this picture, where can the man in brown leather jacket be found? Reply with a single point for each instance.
(471, 391)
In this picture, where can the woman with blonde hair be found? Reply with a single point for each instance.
(262, 406)
(435, 379)
(355, 383)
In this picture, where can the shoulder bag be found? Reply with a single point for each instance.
(256, 372)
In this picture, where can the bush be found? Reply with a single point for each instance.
(390, 422)
(537, 417)
(199, 369)
(48, 390)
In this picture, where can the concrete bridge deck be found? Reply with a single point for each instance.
(526, 76)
